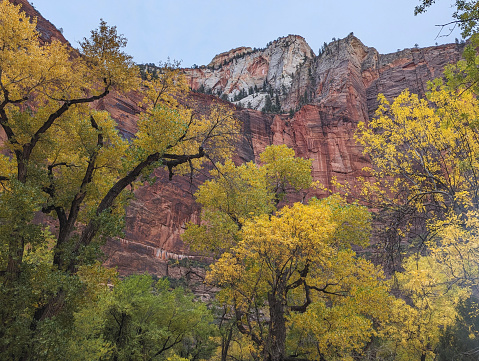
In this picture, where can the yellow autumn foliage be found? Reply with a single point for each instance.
(302, 258)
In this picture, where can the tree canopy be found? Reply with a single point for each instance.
(424, 188)
(296, 287)
(288, 275)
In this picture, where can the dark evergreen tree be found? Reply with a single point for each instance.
(267, 104)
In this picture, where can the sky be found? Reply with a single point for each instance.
(194, 31)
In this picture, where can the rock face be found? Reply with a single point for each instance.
(329, 94)
(318, 100)
(289, 72)
(253, 74)
(46, 29)
(158, 215)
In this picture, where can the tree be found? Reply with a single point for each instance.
(238, 193)
(268, 104)
(293, 276)
(415, 327)
(281, 267)
(424, 155)
(69, 162)
(144, 320)
(459, 342)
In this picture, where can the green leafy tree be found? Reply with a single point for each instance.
(143, 320)
(459, 342)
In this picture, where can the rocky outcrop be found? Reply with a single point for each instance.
(291, 75)
(409, 69)
(253, 74)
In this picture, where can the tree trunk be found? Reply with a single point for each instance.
(225, 343)
(276, 342)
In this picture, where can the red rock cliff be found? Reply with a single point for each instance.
(331, 92)
(47, 30)
(328, 94)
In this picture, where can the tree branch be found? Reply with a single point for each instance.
(90, 230)
(79, 197)
(58, 113)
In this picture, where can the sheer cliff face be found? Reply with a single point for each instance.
(328, 95)
(342, 86)
(330, 92)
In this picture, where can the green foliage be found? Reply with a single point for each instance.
(65, 163)
(459, 342)
(466, 14)
(140, 319)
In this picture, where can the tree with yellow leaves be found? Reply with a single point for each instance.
(424, 155)
(64, 159)
(238, 193)
(431, 306)
(297, 288)
(288, 275)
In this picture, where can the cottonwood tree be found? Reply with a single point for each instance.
(415, 327)
(424, 155)
(238, 193)
(62, 158)
(296, 286)
(280, 268)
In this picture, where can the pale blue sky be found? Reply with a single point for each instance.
(195, 31)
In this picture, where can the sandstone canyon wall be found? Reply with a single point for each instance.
(321, 99)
